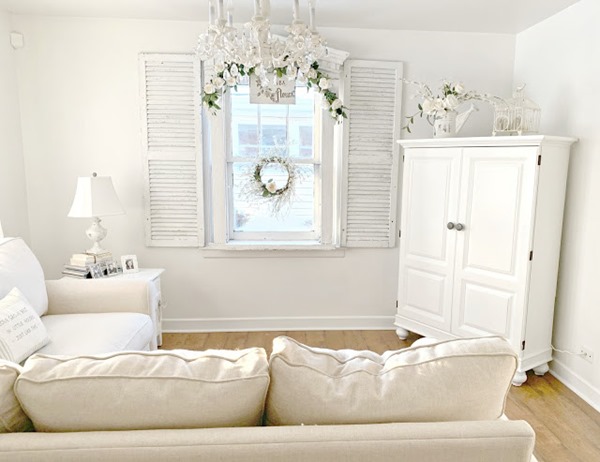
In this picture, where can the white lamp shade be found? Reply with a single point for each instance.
(95, 197)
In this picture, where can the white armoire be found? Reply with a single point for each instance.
(480, 240)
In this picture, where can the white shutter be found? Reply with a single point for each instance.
(372, 93)
(172, 145)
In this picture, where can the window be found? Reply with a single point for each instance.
(192, 159)
(253, 131)
(260, 130)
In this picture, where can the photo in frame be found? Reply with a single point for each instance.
(112, 268)
(129, 264)
(97, 270)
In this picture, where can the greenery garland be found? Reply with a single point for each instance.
(231, 73)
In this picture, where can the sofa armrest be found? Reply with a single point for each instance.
(69, 296)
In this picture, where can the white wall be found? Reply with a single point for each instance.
(13, 198)
(79, 96)
(558, 59)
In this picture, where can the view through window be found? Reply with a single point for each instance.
(261, 130)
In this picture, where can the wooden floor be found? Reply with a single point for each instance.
(567, 429)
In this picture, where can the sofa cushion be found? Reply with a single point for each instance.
(145, 390)
(21, 330)
(96, 333)
(466, 379)
(12, 417)
(19, 268)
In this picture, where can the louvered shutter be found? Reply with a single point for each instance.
(172, 145)
(372, 93)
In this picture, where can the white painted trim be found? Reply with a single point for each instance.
(278, 323)
(257, 251)
(528, 140)
(581, 387)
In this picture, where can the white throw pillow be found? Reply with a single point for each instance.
(466, 379)
(20, 268)
(22, 332)
(145, 390)
(12, 417)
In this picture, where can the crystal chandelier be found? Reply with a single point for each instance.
(253, 50)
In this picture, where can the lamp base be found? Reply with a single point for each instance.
(96, 232)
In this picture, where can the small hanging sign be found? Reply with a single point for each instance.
(283, 93)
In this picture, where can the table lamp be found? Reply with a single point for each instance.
(95, 197)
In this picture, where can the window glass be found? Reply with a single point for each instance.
(261, 130)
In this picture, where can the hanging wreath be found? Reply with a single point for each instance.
(260, 187)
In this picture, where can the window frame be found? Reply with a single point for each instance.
(327, 144)
(316, 161)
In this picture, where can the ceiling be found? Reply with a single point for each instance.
(497, 16)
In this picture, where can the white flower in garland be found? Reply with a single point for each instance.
(323, 83)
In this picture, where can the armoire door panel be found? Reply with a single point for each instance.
(485, 311)
(427, 246)
(492, 214)
(425, 293)
(428, 207)
(497, 209)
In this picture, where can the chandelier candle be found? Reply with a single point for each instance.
(221, 12)
(265, 8)
(211, 12)
(230, 13)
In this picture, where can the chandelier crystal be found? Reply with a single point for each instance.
(253, 49)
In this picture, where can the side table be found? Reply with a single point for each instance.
(152, 275)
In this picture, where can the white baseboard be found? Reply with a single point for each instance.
(279, 323)
(577, 384)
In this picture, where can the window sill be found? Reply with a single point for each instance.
(270, 249)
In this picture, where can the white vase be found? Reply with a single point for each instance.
(444, 126)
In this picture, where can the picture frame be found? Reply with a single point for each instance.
(97, 271)
(129, 264)
(112, 268)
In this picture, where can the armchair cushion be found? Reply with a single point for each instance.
(20, 268)
(67, 296)
(97, 333)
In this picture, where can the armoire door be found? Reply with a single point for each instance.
(493, 248)
(427, 246)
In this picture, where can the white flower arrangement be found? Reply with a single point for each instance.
(450, 96)
(228, 75)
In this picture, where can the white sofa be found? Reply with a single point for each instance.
(80, 317)
(208, 406)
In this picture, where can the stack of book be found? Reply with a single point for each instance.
(79, 266)
(74, 271)
(80, 263)
(105, 257)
